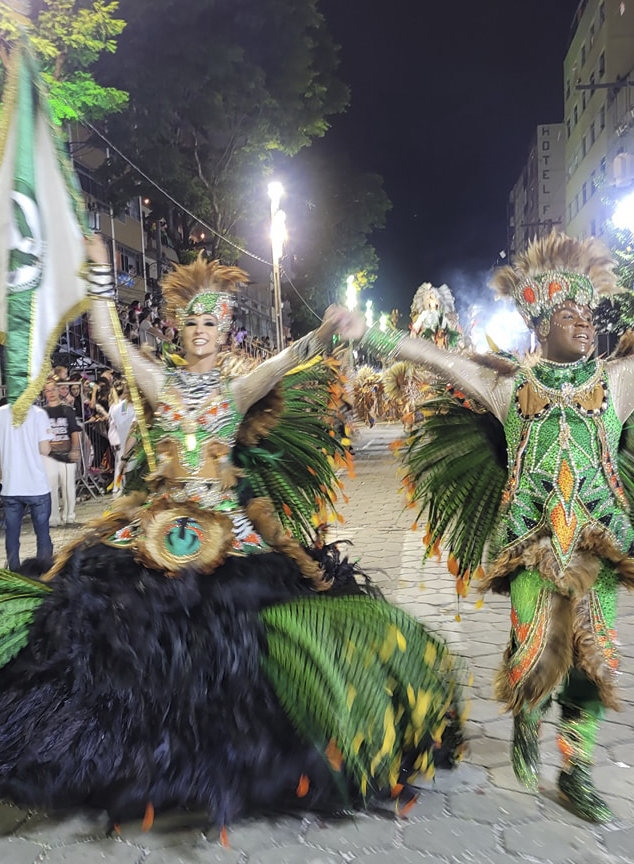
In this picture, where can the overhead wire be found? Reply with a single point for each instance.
(200, 221)
(171, 198)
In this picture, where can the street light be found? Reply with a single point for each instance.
(369, 313)
(351, 294)
(278, 236)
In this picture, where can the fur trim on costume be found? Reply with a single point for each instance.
(625, 347)
(553, 662)
(580, 574)
(265, 520)
(569, 639)
(261, 417)
(589, 657)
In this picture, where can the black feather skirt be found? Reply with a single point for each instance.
(136, 689)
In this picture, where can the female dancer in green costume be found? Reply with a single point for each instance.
(563, 538)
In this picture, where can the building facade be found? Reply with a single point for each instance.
(597, 103)
(537, 201)
(139, 261)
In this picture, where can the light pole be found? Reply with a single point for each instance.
(278, 236)
(351, 303)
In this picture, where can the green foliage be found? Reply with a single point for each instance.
(615, 314)
(68, 36)
(360, 678)
(217, 89)
(81, 97)
(19, 599)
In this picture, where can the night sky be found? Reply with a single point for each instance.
(445, 99)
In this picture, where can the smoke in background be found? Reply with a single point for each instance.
(482, 315)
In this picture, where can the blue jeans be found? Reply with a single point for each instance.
(14, 507)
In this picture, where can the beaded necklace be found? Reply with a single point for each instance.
(564, 384)
(194, 387)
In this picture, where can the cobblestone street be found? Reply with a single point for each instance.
(477, 813)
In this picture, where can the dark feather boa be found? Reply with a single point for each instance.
(135, 689)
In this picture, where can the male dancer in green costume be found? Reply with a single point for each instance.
(564, 538)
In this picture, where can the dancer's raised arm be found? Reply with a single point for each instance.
(478, 381)
(147, 375)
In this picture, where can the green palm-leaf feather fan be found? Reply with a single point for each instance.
(288, 449)
(455, 464)
(364, 681)
(20, 598)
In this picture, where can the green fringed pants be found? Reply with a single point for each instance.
(581, 705)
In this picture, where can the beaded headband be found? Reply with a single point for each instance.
(208, 303)
(537, 296)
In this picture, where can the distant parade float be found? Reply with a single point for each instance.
(397, 392)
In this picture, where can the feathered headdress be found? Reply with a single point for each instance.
(554, 269)
(202, 287)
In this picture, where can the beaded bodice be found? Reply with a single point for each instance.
(193, 432)
(562, 434)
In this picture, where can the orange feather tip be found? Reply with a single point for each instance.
(334, 755)
(302, 786)
(148, 818)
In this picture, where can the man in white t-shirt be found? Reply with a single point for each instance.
(24, 480)
(121, 418)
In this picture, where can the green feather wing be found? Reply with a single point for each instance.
(363, 681)
(295, 464)
(19, 599)
(455, 464)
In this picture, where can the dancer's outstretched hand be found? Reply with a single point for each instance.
(338, 319)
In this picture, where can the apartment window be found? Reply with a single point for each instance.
(592, 133)
(592, 80)
(602, 118)
(583, 54)
(583, 101)
(601, 14)
(602, 64)
(568, 89)
(568, 128)
(576, 115)
(593, 187)
(592, 34)
(129, 261)
(576, 208)
(583, 147)
(584, 193)
(570, 213)
(603, 166)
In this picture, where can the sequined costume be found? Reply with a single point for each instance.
(558, 521)
(181, 655)
(193, 434)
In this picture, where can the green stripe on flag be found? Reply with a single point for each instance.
(26, 241)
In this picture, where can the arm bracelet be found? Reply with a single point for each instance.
(306, 347)
(385, 344)
(100, 281)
